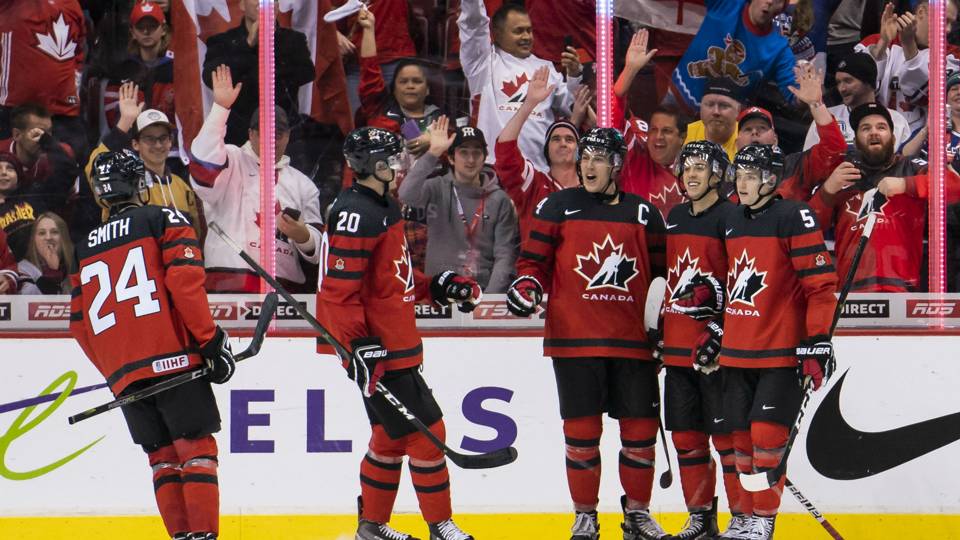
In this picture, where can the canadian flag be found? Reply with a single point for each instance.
(197, 20)
(680, 16)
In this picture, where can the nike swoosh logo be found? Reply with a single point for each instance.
(841, 452)
(729, 231)
(384, 222)
(717, 420)
(570, 212)
(672, 226)
(768, 407)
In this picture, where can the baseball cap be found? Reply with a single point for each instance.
(754, 112)
(721, 86)
(146, 9)
(861, 66)
(280, 120)
(868, 109)
(466, 134)
(150, 117)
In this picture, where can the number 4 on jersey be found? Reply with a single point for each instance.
(134, 267)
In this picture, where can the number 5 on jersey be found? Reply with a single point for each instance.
(134, 267)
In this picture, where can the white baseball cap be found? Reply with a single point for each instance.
(150, 117)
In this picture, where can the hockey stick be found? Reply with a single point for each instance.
(813, 511)
(488, 460)
(651, 322)
(267, 309)
(765, 480)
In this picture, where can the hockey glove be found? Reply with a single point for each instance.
(702, 298)
(524, 295)
(706, 351)
(816, 361)
(219, 357)
(364, 367)
(450, 286)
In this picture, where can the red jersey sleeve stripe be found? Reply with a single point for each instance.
(192, 242)
(809, 250)
(807, 272)
(344, 252)
(342, 274)
(533, 256)
(545, 238)
(184, 262)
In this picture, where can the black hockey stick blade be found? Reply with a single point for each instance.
(765, 480)
(666, 479)
(486, 460)
(267, 309)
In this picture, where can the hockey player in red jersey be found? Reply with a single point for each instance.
(780, 301)
(140, 313)
(366, 299)
(598, 249)
(696, 269)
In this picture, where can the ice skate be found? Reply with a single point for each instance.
(739, 528)
(447, 530)
(369, 530)
(639, 524)
(585, 526)
(700, 525)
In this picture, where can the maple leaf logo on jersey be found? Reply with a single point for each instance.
(404, 269)
(59, 46)
(511, 89)
(682, 273)
(670, 192)
(747, 281)
(862, 209)
(607, 266)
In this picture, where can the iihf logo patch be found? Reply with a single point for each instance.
(747, 281)
(188, 253)
(820, 260)
(606, 266)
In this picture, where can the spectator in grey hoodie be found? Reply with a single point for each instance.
(471, 223)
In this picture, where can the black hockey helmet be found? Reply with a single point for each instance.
(365, 147)
(768, 158)
(708, 151)
(118, 176)
(607, 139)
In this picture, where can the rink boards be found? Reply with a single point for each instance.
(294, 432)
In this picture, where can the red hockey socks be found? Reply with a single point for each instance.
(201, 493)
(428, 470)
(582, 436)
(743, 452)
(167, 488)
(380, 475)
(723, 442)
(697, 469)
(769, 444)
(638, 437)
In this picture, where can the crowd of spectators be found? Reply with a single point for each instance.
(489, 96)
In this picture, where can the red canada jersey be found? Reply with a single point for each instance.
(41, 54)
(138, 307)
(891, 261)
(695, 246)
(369, 286)
(780, 285)
(645, 177)
(525, 185)
(598, 260)
(805, 171)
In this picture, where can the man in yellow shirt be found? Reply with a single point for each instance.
(718, 116)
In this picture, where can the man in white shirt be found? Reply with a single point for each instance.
(498, 72)
(857, 83)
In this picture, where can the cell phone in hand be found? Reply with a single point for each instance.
(567, 42)
(292, 212)
(410, 130)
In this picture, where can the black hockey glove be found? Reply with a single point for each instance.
(364, 367)
(706, 350)
(703, 297)
(524, 295)
(219, 357)
(450, 286)
(816, 361)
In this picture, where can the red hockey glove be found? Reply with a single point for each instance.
(449, 286)
(364, 367)
(706, 351)
(219, 357)
(816, 361)
(524, 295)
(703, 297)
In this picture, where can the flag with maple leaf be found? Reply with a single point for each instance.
(197, 20)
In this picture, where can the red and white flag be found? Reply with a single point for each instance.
(197, 20)
(680, 16)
